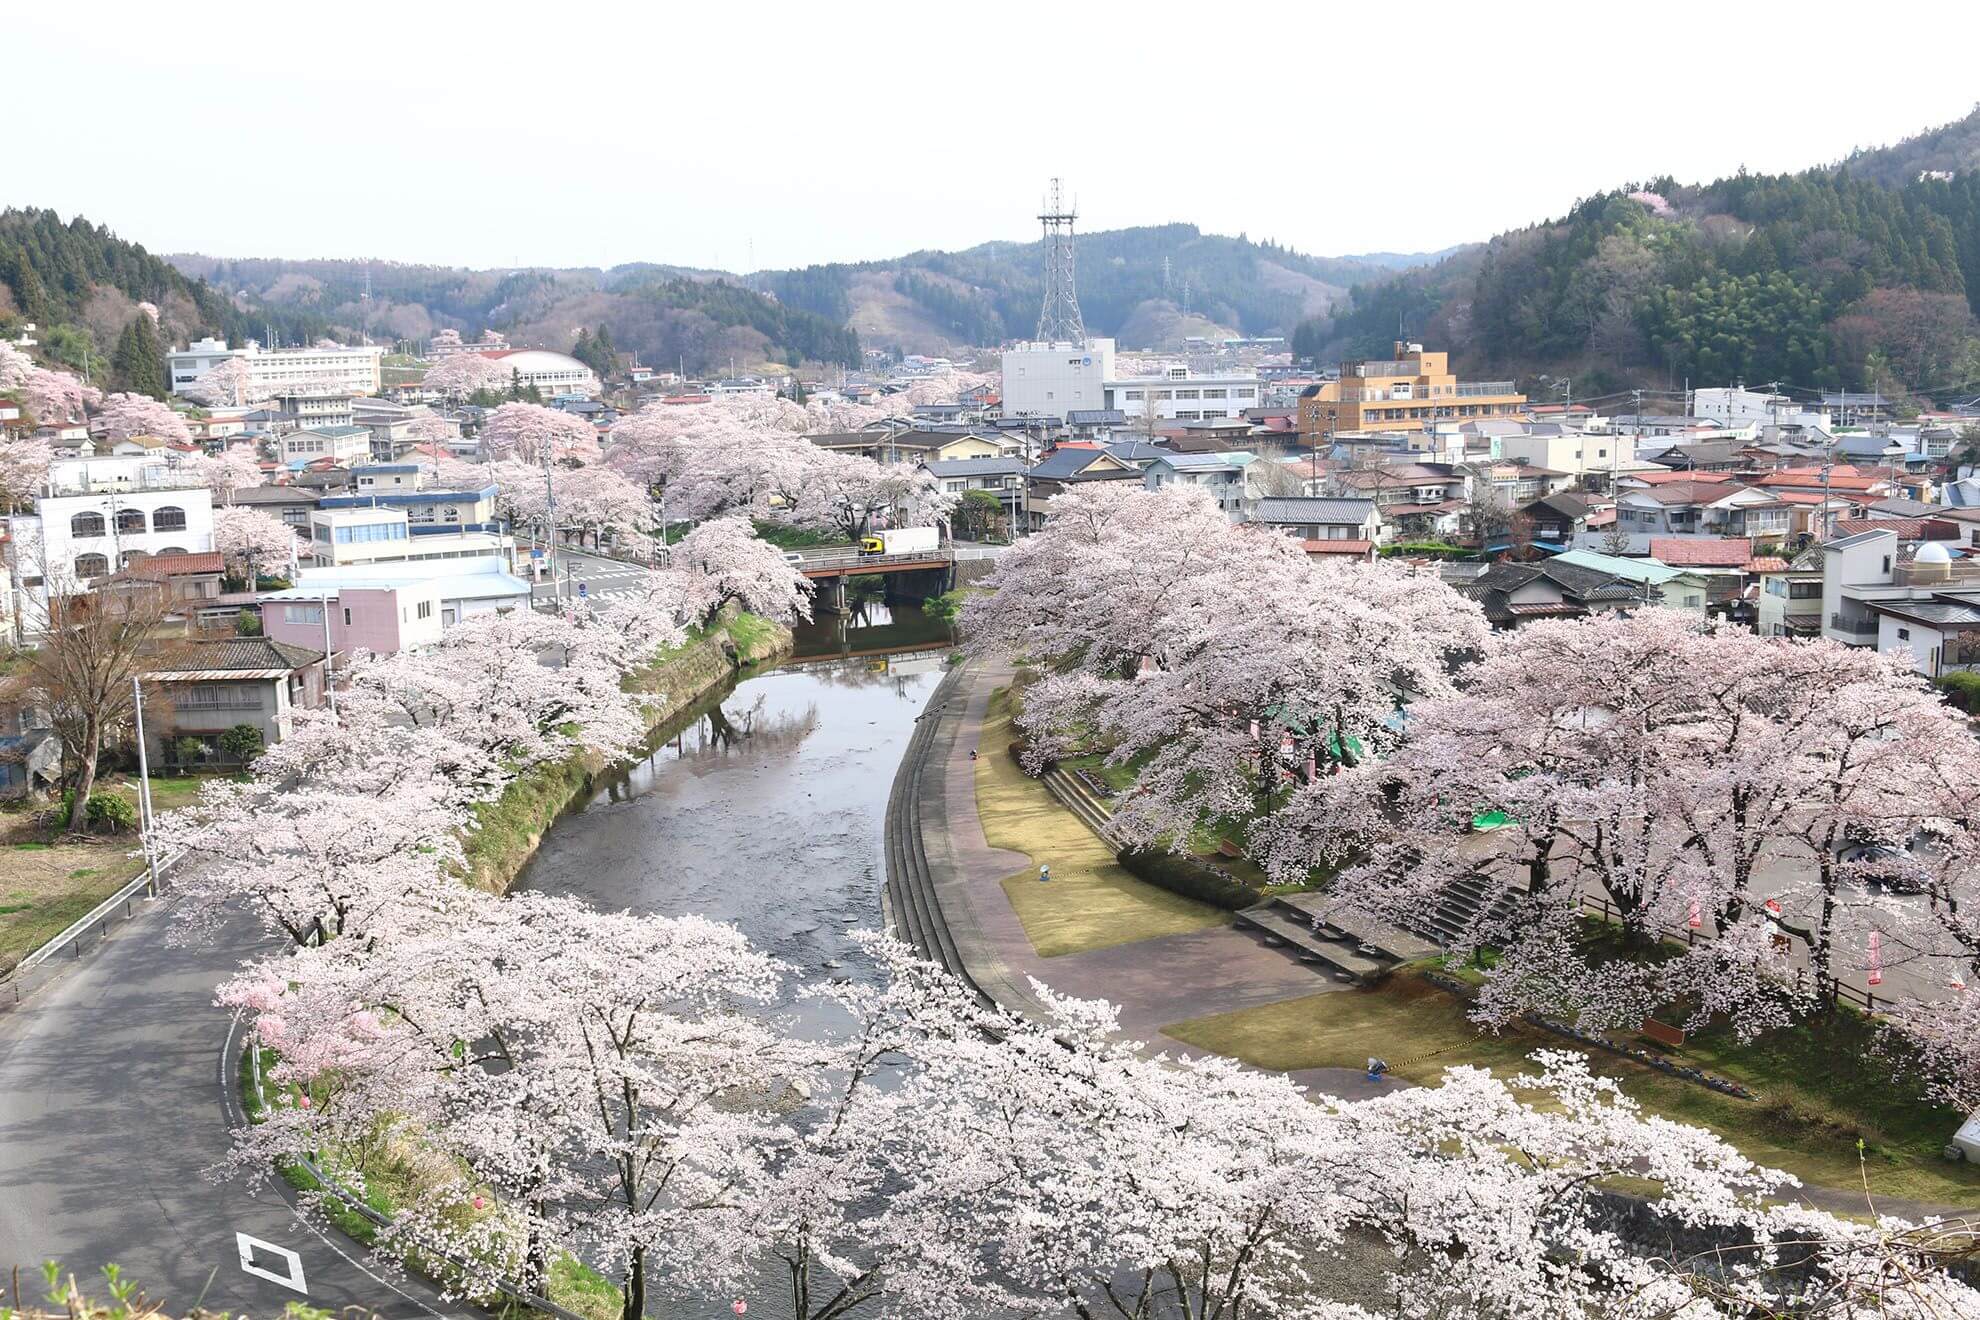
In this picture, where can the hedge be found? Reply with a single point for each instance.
(1182, 874)
(1962, 689)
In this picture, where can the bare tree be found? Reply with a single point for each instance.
(1615, 541)
(96, 643)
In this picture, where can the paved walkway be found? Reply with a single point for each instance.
(1155, 982)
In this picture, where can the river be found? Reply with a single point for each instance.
(765, 803)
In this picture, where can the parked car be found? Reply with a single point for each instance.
(1885, 864)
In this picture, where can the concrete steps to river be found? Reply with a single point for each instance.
(912, 908)
(1349, 948)
(1092, 810)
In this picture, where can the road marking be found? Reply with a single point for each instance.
(292, 1277)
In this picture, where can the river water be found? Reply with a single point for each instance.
(764, 805)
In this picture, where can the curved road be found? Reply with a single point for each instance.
(114, 1100)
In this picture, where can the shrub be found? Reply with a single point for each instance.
(247, 624)
(1962, 689)
(107, 813)
(1182, 874)
(241, 743)
(186, 751)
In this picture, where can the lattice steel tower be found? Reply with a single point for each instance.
(1059, 319)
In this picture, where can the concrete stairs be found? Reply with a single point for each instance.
(1285, 926)
(1092, 810)
(1459, 909)
(912, 908)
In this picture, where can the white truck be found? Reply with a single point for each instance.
(901, 541)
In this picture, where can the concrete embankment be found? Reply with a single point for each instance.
(507, 831)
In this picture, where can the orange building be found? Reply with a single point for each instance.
(1409, 392)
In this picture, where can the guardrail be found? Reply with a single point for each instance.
(75, 938)
(854, 559)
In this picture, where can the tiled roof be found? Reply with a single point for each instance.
(1767, 564)
(1351, 547)
(234, 655)
(1702, 551)
(164, 566)
(1311, 509)
(1907, 529)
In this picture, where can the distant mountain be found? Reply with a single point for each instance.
(1949, 148)
(1148, 287)
(701, 320)
(1823, 279)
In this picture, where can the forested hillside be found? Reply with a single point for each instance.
(81, 285)
(1818, 280)
(1163, 275)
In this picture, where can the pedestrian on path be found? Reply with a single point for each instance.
(1044, 874)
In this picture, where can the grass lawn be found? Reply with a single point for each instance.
(1819, 1092)
(45, 886)
(1092, 902)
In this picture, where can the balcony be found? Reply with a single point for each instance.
(1860, 630)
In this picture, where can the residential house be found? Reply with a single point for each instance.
(1789, 602)
(30, 749)
(343, 445)
(291, 504)
(1557, 519)
(1002, 477)
(1703, 456)
(1326, 527)
(1701, 508)
(1656, 584)
(211, 686)
(1065, 467)
(1223, 475)
(1514, 593)
(1724, 562)
(1101, 424)
(385, 608)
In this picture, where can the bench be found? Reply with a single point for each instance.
(1663, 1033)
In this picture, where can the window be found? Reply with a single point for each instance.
(1214, 394)
(1887, 563)
(86, 524)
(426, 609)
(170, 518)
(1135, 395)
(1247, 392)
(130, 520)
(1186, 394)
(347, 616)
(302, 614)
(88, 566)
(1804, 591)
(1904, 634)
(363, 533)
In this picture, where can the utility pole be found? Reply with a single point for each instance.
(329, 665)
(550, 521)
(146, 816)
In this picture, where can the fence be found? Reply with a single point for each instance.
(1828, 986)
(47, 960)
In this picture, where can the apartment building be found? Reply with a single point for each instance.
(1410, 391)
(1181, 395)
(342, 445)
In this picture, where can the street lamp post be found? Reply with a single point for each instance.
(146, 817)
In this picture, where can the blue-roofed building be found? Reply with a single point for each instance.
(403, 486)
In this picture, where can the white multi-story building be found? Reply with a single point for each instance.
(385, 534)
(355, 370)
(95, 516)
(552, 373)
(1180, 395)
(313, 408)
(1051, 380)
(1738, 406)
(342, 444)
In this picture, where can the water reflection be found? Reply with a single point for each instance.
(765, 809)
(872, 628)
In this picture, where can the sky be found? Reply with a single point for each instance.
(761, 136)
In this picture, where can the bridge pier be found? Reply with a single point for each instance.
(832, 596)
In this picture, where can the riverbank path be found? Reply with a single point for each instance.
(1154, 982)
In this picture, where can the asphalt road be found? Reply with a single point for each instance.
(113, 1103)
(602, 579)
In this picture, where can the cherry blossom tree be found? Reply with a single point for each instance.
(603, 1093)
(1221, 658)
(126, 415)
(231, 384)
(23, 467)
(14, 368)
(725, 561)
(531, 433)
(461, 374)
(251, 540)
(55, 398)
(847, 493)
(315, 863)
(234, 468)
(445, 339)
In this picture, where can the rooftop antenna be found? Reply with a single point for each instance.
(1059, 319)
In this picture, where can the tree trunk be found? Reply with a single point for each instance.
(86, 774)
(635, 1290)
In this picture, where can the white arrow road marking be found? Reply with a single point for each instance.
(291, 1278)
